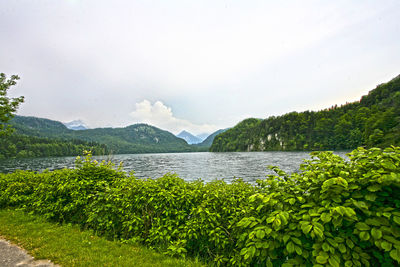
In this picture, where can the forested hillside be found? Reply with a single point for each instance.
(137, 138)
(372, 121)
(22, 146)
(32, 134)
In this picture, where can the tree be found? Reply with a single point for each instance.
(7, 105)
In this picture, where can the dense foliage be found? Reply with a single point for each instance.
(374, 121)
(22, 146)
(7, 105)
(333, 212)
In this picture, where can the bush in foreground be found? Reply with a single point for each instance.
(333, 212)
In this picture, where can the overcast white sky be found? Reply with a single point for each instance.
(194, 65)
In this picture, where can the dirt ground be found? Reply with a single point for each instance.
(12, 255)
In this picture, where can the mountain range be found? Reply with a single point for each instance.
(189, 138)
(137, 138)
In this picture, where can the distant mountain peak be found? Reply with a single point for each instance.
(76, 125)
(189, 138)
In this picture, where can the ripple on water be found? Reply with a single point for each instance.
(207, 166)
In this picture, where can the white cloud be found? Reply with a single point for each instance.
(161, 116)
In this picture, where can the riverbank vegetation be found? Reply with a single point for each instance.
(333, 211)
(374, 121)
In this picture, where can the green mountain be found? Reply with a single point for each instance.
(39, 127)
(372, 121)
(138, 138)
(209, 140)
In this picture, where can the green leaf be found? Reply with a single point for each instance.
(349, 243)
(395, 254)
(298, 249)
(362, 226)
(252, 251)
(286, 238)
(342, 248)
(296, 240)
(260, 234)
(376, 233)
(283, 218)
(396, 219)
(349, 212)
(364, 236)
(391, 239)
(374, 188)
(333, 262)
(290, 247)
(373, 221)
(386, 246)
(318, 232)
(348, 264)
(270, 219)
(325, 247)
(306, 228)
(319, 226)
(326, 217)
(277, 224)
(243, 222)
(389, 165)
(265, 244)
(321, 259)
(332, 242)
(370, 197)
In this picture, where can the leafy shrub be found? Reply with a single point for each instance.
(333, 212)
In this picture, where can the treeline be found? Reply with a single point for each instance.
(23, 146)
(374, 121)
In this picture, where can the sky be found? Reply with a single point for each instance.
(198, 66)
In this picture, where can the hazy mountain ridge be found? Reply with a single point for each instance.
(202, 136)
(372, 121)
(189, 138)
(76, 125)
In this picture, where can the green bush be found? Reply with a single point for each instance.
(332, 212)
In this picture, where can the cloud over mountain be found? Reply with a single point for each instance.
(161, 116)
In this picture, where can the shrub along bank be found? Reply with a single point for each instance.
(333, 212)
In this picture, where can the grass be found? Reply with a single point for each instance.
(67, 245)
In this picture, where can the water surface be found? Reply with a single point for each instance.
(207, 166)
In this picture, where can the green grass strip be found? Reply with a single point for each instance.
(69, 246)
